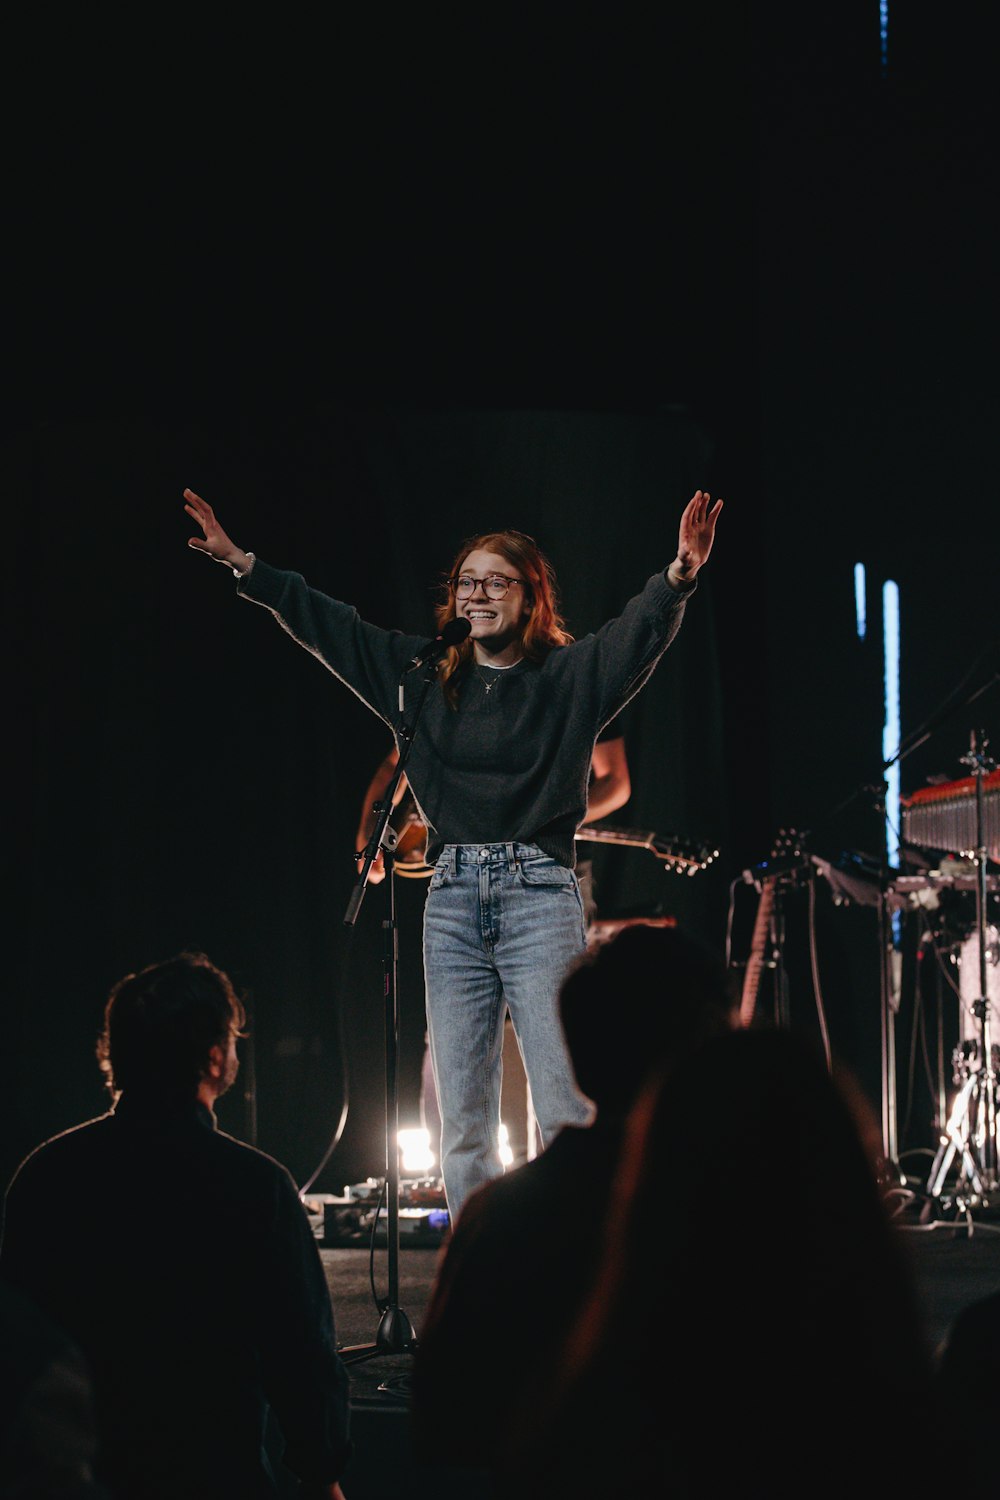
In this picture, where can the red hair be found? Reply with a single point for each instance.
(544, 627)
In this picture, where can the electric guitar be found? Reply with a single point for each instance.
(686, 856)
(411, 841)
(786, 859)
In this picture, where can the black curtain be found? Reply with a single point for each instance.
(369, 292)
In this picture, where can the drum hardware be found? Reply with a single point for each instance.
(965, 1061)
(942, 817)
(970, 1132)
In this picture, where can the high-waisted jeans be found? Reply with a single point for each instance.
(502, 924)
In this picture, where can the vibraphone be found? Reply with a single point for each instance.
(944, 817)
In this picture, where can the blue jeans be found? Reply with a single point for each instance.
(502, 924)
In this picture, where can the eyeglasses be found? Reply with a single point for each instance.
(495, 585)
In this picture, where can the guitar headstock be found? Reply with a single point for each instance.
(686, 856)
(788, 857)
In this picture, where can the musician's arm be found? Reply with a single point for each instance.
(366, 825)
(610, 784)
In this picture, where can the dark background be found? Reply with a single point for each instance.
(373, 289)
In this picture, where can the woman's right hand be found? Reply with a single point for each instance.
(215, 543)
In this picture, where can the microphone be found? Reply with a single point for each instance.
(455, 631)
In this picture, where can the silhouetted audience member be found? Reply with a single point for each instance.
(48, 1428)
(754, 1327)
(524, 1248)
(967, 1368)
(182, 1262)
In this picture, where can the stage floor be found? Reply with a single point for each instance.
(953, 1268)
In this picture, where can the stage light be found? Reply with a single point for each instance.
(891, 725)
(415, 1154)
(506, 1153)
(891, 741)
(883, 35)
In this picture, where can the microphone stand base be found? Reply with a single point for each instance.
(394, 1336)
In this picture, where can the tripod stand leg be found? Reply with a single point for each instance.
(985, 1138)
(955, 1140)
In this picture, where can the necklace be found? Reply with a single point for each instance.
(489, 683)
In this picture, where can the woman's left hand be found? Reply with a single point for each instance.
(696, 535)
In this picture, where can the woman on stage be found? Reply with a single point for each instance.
(499, 769)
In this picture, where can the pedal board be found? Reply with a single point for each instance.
(350, 1226)
(350, 1221)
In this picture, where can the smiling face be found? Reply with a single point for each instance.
(497, 624)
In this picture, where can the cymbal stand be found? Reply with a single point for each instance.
(888, 999)
(970, 1132)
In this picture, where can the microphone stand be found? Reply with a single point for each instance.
(395, 1331)
(889, 998)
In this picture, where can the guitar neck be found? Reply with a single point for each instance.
(758, 945)
(635, 838)
(679, 852)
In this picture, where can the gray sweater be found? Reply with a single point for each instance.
(511, 764)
